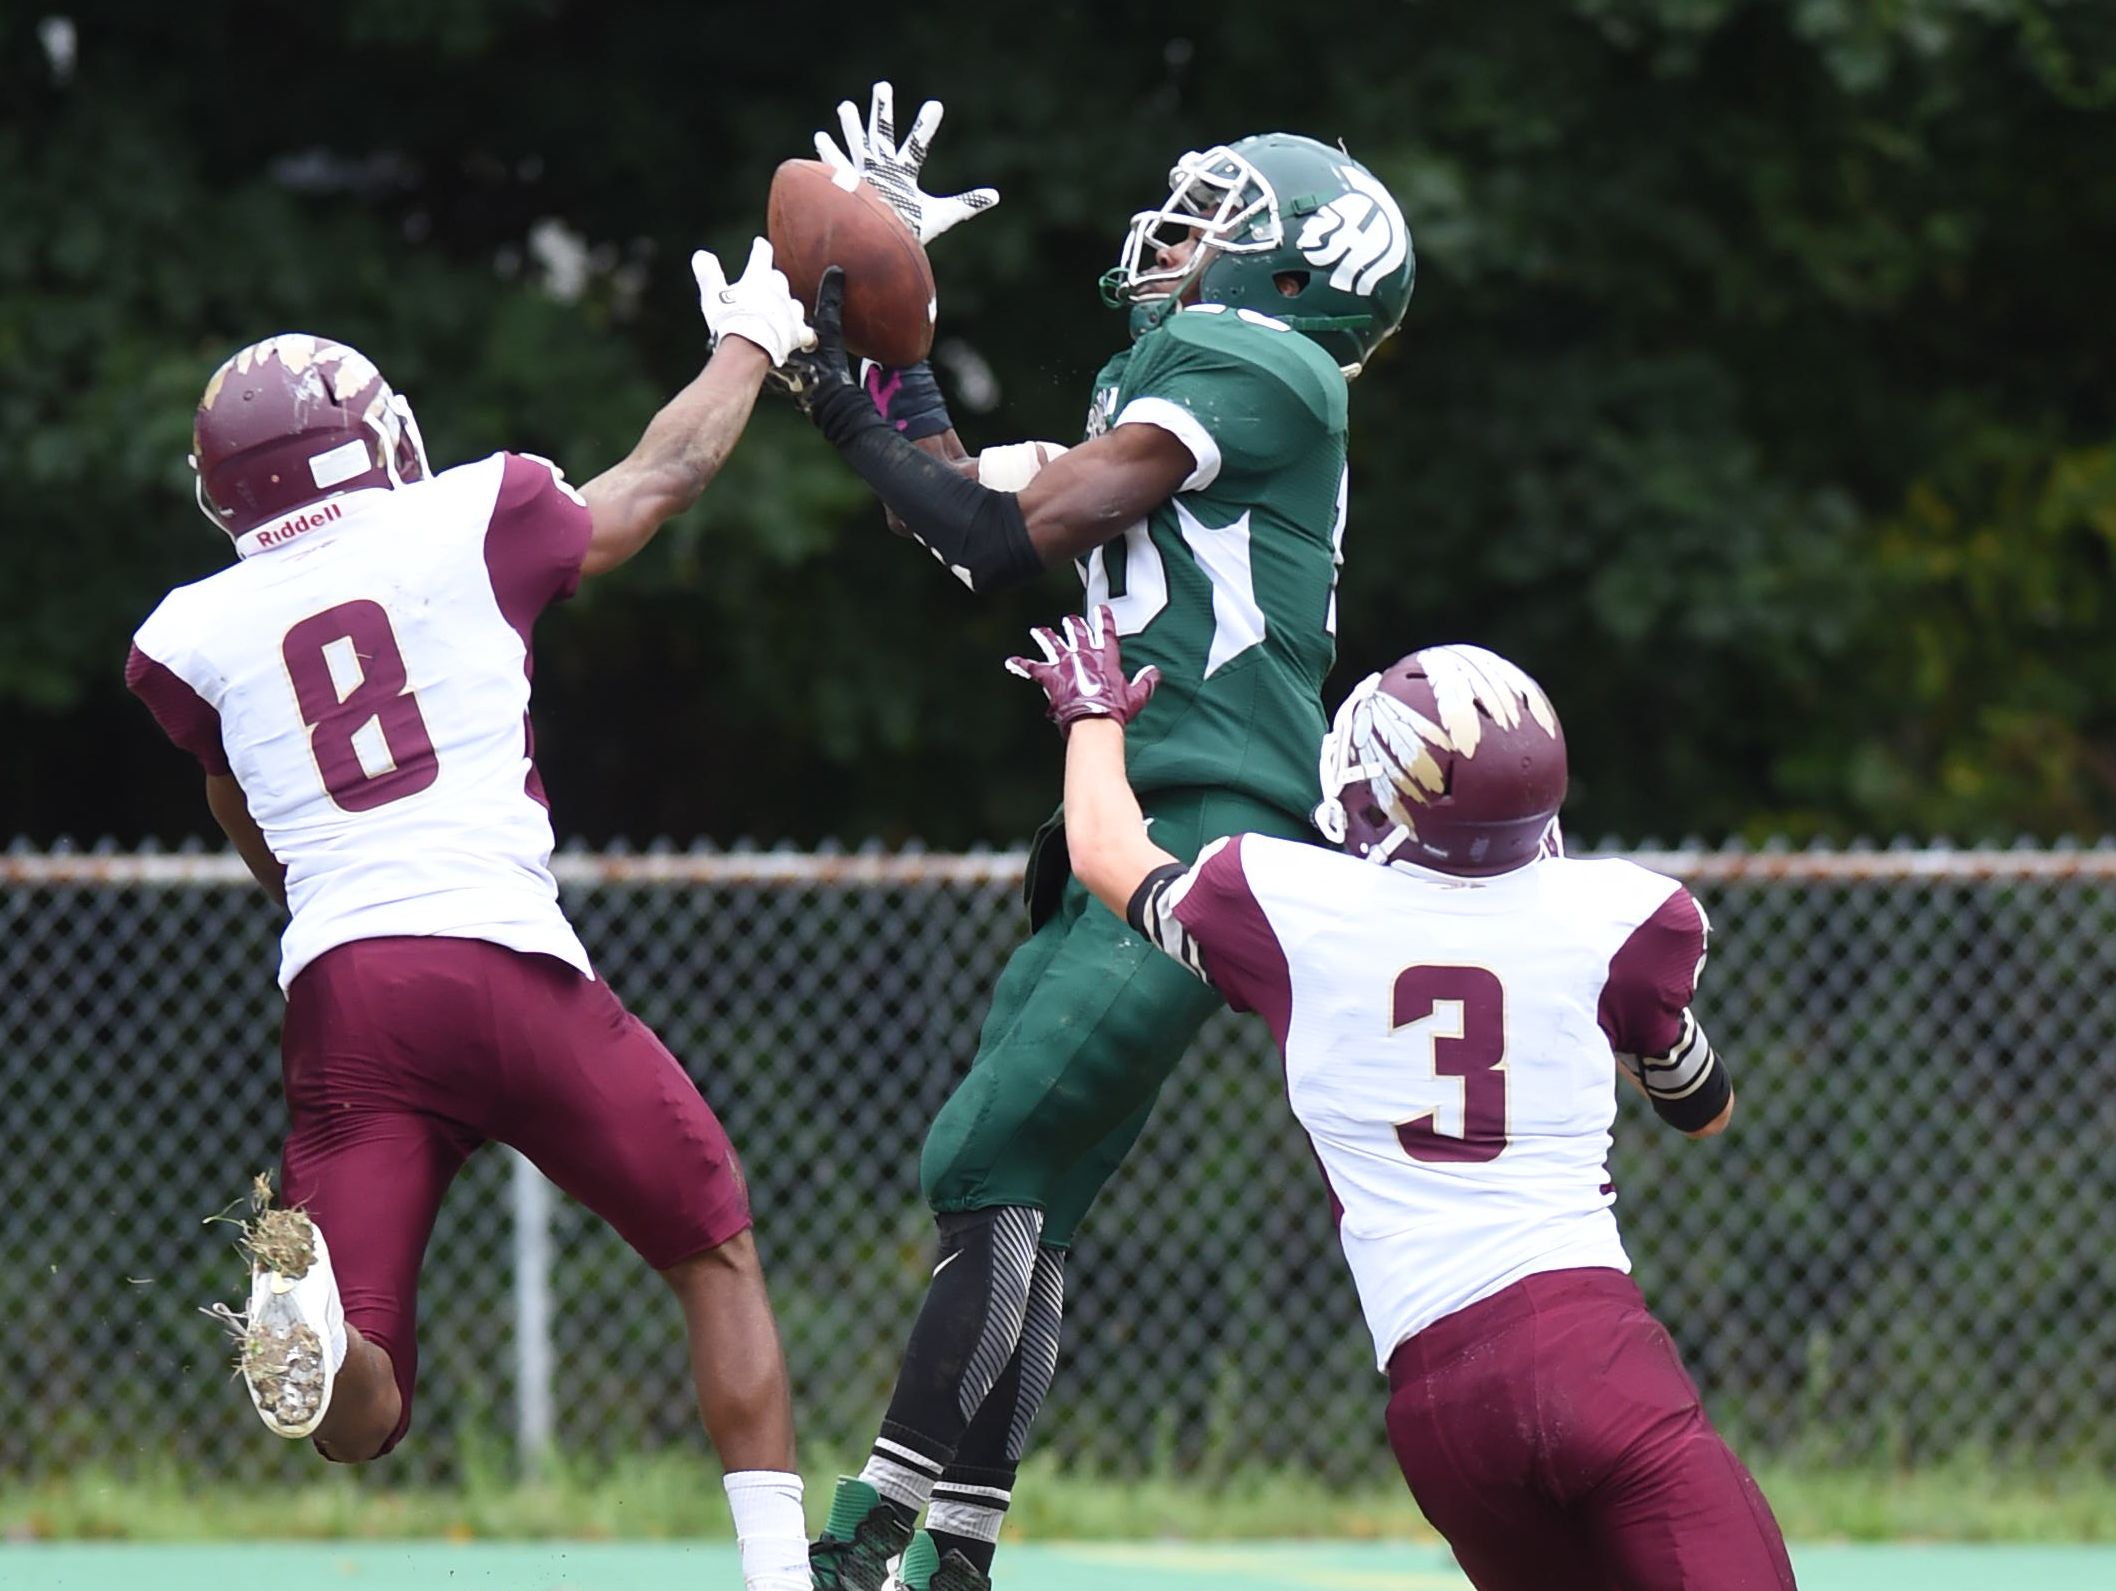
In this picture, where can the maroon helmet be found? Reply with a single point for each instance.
(1452, 759)
(294, 419)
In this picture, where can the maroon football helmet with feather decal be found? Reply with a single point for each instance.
(293, 420)
(1452, 758)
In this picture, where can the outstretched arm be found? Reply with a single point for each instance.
(1105, 832)
(1204, 915)
(989, 540)
(1081, 672)
(755, 322)
(680, 452)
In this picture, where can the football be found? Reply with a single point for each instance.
(816, 219)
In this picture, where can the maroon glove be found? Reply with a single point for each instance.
(1083, 673)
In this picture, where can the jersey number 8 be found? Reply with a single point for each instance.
(354, 641)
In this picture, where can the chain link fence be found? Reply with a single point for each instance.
(1905, 1250)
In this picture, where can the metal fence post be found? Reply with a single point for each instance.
(532, 1316)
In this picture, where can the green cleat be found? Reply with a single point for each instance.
(861, 1537)
(923, 1569)
(915, 1573)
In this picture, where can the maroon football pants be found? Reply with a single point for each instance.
(1550, 1433)
(401, 1056)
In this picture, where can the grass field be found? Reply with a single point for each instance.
(676, 1496)
(651, 1525)
(638, 1566)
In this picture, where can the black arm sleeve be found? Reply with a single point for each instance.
(978, 533)
(1702, 1108)
(1150, 889)
(1690, 1085)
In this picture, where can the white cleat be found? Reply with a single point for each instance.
(293, 1334)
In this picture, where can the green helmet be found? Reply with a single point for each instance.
(1285, 226)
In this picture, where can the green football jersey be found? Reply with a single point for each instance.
(1230, 587)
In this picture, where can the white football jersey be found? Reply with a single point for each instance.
(1448, 1047)
(363, 672)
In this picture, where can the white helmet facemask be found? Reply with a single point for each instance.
(392, 421)
(1217, 196)
(198, 494)
(1343, 763)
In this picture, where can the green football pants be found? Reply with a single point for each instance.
(1087, 1021)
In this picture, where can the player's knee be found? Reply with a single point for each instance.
(361, 1436)
(732, 1264)
(357, 1449)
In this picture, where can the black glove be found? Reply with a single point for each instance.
(820, 379)
(980, 535)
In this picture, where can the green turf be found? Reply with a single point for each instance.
(676, 1496)
(660, 1566)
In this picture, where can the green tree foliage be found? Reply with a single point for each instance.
(1756, 392)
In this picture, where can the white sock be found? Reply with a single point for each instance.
(769, 1524)
(900, 1482)
(973, 1521)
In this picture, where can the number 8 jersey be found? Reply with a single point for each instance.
(1450, 1046)
(363, 673)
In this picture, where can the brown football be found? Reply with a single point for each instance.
(814, 221)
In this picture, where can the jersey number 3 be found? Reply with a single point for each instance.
(365, 731)
(1475, 1052)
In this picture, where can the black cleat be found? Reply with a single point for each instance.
(957, 1573)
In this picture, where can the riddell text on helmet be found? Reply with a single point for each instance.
(295, 524)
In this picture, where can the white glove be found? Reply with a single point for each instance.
(892, 169)
(759, 307)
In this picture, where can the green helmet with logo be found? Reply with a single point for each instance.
(1286, 227)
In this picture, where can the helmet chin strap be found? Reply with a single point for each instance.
(1163, 305)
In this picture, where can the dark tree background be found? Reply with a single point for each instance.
(1759, 391)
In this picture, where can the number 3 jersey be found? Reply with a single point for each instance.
(1230, 586)
(363, 672)
(1450, 1046)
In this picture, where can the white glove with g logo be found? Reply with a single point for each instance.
(758, 306)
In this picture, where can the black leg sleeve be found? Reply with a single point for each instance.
(967, 1329)
(974, 1494)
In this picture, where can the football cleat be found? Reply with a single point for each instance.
(293, 1333)
(924, 1569)
(862, 1538)
(957, 1573)
(915, 1570)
